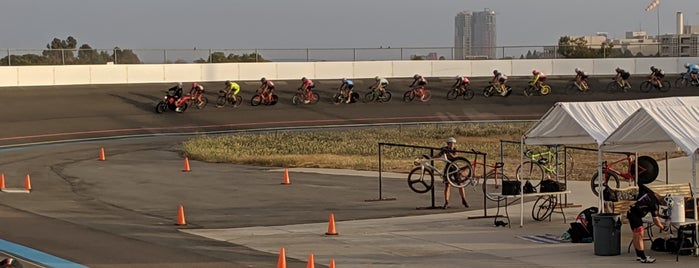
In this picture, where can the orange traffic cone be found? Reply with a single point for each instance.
(311, 262)
(102, 158)
(2, 181)
(332, 263)
(281, 263)
(331, 225)
(180, 216)
(286, 177)
(27, 183)
(186, 165)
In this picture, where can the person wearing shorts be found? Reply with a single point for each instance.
(647, 201)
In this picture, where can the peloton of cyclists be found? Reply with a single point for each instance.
(307, 86)
(581, 80)
(656, 76)
(346, 88)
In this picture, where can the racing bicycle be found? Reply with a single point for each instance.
(229, 98)
(543, 165)
(463, 91)
(420, 92)
(375, 95)
(456, 172)
(489, 180)
(647, 172)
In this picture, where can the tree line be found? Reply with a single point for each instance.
(63, 52)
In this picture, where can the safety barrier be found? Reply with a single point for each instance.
(165, 73)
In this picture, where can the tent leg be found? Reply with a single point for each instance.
(521, 199)
(600, 180)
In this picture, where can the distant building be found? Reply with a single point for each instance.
(679, 45)
(475, 35)
(691, 29)
(432, 56)
(637, 44)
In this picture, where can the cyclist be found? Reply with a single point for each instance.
(266, 89)
(461, 83)
(647, 201)
(346, 88)
(581, 79)
(232, 88)
(449, 151)
(538, 79)
(380, 84)
(693, 71)
(198, 91)
(656, 76)
(307, 86)
(499, 80)
(176, 91)
(419, 81)
(621, 77)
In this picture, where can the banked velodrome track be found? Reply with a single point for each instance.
(120, 212)
(39, 114)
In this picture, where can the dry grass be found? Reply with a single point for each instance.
(358, 148)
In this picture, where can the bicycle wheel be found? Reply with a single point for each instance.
(468, 94)
(408, 96)
(418, 180)
(545, 90)
(528, 91)
(611, 180)
(385, 97)
(544, 206)
(314, 98)
(297, 98)
(426, 96)
(452, 94)
(237, 101)
(459, 172)
(666, 86)
(646, 86)
(370, 96)
(491, 186)
(681, 82)
(221, 101)
(530, 171)
(337, 98)
(256, 100)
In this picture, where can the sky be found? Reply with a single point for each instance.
(246, 24)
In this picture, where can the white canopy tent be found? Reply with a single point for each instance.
(589, 122)
(659, 129)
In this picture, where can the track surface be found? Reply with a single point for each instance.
(120, 213)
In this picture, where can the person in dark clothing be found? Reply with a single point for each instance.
(647, 201)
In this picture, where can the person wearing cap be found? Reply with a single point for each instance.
(450, 152)
(10, 263)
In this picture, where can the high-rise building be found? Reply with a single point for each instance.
(474, 35)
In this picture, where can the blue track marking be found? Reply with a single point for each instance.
(37, 256)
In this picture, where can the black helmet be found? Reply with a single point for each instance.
(496, 72)
(652, 68)
(416, 76)
(263, 79)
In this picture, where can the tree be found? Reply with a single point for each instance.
(125, 56)
(59, 51)
(578, 48)
(417, 57)
(87, 55)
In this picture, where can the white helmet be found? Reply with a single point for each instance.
(686, 65)
(451, 140)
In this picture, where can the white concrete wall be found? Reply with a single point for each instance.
(156, 73)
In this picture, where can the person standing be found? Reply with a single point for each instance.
(647, 201)
(449, 152)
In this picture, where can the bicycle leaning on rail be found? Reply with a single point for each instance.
(489, 180)
(456, 173)
(647, 172)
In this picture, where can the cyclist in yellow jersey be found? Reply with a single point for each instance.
(232, 89)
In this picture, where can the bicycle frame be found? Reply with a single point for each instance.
(495, 169)
(425, 163)
(627, 175)
(548, 155)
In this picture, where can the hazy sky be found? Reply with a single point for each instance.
(318, 23)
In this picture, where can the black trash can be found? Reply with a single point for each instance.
(607, 234)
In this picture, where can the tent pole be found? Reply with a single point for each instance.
(635, 171)
(667, 169)
(600, 179)
(521, 198)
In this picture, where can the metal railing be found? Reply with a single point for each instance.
(16, 57)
